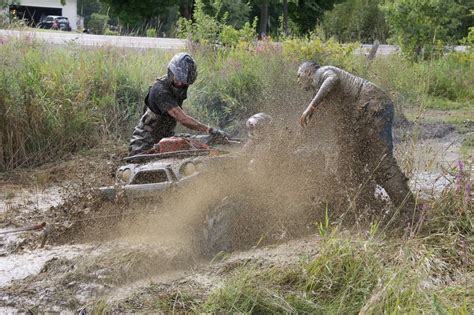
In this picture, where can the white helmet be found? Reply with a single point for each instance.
(257, 123)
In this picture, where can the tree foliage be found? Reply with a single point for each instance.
(422, 26)
(308, 13)
(139, 14)
(212, 29)
(417, 25)
(356, 20)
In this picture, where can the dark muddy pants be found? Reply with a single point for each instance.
(376, 153)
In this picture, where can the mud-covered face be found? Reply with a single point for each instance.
(304, 78)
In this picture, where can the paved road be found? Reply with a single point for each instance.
(56, 37)
(98, 40)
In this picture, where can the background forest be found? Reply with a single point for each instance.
(413, 25)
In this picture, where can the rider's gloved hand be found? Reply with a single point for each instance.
(218, 134)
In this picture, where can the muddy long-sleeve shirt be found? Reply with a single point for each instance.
(334, 84)
(362, 104)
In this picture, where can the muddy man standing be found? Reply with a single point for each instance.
(366, 137)
(163, 106)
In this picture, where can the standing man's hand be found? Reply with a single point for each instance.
(307, 114)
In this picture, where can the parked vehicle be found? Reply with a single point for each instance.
(55, 22)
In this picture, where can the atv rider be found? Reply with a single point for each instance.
(365, 116)
(163, 107)
(258, 126)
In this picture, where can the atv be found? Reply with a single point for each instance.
(173, 161)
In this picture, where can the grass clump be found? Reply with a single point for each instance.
(350, 276)
(338, 280)
(375, 273)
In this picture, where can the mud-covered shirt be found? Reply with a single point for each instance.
(155, 123)
(347, 84)
(162, 97)
(341, 88)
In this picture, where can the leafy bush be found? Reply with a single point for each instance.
(324, 53)
(151, 32)
(469, 39)
(207, 29)
(110, 32)
(356, 20)
(423, 27)
(98, 23)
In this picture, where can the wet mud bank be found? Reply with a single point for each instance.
(130, 253)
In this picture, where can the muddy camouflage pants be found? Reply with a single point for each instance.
(147, 133)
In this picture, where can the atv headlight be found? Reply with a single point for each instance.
(189, 169)
(125, 175)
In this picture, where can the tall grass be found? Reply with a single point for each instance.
(56, 100)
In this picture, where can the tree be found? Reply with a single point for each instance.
(139, 14)
(419, 26)
(263, 17)
(356, 20)
(285, 17)
(308, 13)
(186, 8)
(232, 12)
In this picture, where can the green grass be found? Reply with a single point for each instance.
(350, 275)
(468, 141)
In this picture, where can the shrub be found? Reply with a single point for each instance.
(329, 52)
(98, 23)
(210, 30)
(151, 32)
(356, 20)
(421, 28)
(110, 32)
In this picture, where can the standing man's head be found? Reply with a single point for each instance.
(305, 73)
(182, 70)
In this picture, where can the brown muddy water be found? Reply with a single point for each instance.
(106, 257)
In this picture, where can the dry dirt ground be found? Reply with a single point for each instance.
(92, 251)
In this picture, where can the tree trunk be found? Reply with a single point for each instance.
(285, 17)
(263, 18)
(186, 10)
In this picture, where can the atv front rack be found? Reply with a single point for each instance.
(175, 154)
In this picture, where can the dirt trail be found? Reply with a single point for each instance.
(129, 254)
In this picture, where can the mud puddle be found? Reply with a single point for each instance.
(434, 163)
(18, 199)
(68, 277)
(31, 262)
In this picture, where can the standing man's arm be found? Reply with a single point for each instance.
(330, 80)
